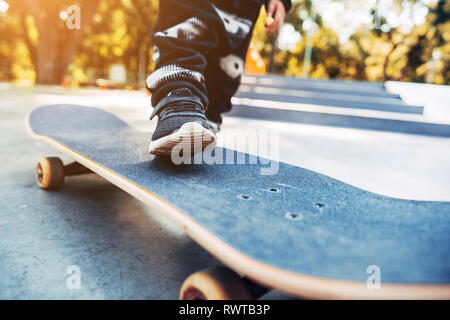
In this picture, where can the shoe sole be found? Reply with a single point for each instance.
(190, 136)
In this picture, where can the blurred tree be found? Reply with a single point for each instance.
(51, 44)
(119, 34)
(406, 55)
(375, 52)
(36, 44)
(8, 31)
(433, 36)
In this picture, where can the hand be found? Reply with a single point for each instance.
(276, 12)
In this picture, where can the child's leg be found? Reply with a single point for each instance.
(185, 34)
(198, 44)
(225, 67)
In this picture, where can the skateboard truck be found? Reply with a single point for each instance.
(50, 172)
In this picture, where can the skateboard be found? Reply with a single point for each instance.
(296, 231)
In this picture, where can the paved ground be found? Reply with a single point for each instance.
(124, 249)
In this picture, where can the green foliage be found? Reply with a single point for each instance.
(369, 54)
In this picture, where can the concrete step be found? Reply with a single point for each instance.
(338, 117)
(283, 81)
(322, 89)
(327, 99)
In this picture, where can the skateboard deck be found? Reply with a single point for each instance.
(297, 231)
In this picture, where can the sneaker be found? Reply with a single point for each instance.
(182, 124)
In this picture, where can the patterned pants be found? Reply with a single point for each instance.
(201, 45)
